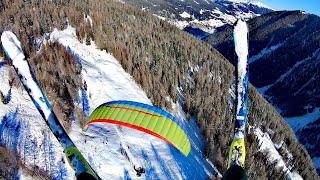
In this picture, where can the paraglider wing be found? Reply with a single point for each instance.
(143, 117)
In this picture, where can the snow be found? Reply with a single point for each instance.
(239, 1)
(225, 16)
(111, 150)
(256, 3)
(302, 121)
(294, 176)
(205, 25)
(264, 89)
(207, 1)
(232, 92)
(106, 82)
(259, 4)
(89, 18)
(316, 162)
(209, 23)
(13, 49)
(160, 17)
(179, 24)
(266, 51)
(240, 35)
(185, 15)
(266, 145)
(27, 138)
(286, 74)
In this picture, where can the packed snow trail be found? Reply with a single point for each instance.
(14, 52)
(237, 151)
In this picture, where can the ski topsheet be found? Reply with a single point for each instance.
(12, 48)
(237, 148)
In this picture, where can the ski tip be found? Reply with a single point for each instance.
(240, 24)
(9, 37)
(11, 45)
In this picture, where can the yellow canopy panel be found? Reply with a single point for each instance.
(146, 118)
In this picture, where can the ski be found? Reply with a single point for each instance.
(237, 151)
(13, 50)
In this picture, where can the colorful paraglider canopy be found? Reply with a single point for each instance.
(143, 117)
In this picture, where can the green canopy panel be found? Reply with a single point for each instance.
(145, 118)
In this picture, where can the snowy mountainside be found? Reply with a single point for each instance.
(117, 33)
(266, 145)
(201, 16)
(111, 150)
(284, 65)
(23, 130)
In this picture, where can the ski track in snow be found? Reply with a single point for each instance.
(103, 144)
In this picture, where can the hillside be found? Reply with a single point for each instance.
(201, 17)
(284, 66)
(113, 151)
(173, 68)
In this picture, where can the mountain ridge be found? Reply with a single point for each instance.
(201, 14)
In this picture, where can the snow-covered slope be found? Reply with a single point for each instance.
(203, 16)
(267, 146)
(23, 130)
(111, 150)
